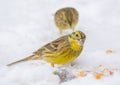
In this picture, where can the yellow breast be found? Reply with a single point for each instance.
(66, 55)
(74, 44)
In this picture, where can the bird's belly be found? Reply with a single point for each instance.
(63, 58)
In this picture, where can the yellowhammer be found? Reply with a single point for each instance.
(66, 18)
(60, 51)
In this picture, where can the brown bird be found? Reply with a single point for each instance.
(60, 51)
(66, 18)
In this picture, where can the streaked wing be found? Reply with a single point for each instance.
(69, 16)
(55, 45)
(52, 47)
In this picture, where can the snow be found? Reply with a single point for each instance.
(26, 25)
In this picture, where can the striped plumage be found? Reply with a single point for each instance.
(60, 51)
(66, 18)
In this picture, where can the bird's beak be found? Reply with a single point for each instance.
(81, 41)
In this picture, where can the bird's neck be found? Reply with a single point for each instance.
(75, 45)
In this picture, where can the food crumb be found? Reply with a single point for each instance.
(109, 51)
(81, 74)
(98, 75)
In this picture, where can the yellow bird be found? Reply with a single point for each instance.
(66, 18)
(60, 51)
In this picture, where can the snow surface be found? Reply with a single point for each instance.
(26, 25)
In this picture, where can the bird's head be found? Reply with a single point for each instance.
(77, 38)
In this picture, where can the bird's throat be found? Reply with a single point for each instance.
(75, 44)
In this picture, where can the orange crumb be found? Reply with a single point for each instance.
(109, 51)
(81, 74)
(110, 72)
(98, 75)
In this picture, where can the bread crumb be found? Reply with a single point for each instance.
(98, 75)
(81, 74)
(109, 51)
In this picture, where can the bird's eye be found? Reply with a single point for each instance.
(76, 35)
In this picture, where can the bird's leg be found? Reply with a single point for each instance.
(72, 64)
(52, 64)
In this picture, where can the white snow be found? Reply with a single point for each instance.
(26, 25)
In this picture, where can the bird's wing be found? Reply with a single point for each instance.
(69, 16)
(56, 44)
(52, 47)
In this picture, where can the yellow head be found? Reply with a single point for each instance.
(77, 39)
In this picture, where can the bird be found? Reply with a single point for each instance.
(66, 18)
(61, 51)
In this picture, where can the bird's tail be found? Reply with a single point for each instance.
(32, 57)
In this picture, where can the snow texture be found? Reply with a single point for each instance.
(26, 25)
